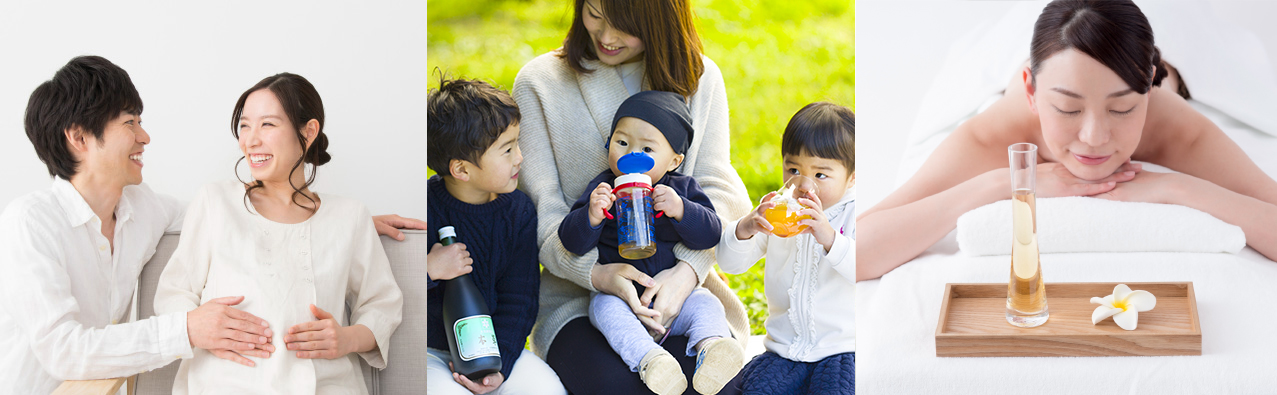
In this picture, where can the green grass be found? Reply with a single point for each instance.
(775, 57)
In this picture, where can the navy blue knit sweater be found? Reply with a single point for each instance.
(501, 238)
(699, 229)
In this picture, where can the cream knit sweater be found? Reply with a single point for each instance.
(566, 119)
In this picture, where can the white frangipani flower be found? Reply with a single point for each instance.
(1123, 305)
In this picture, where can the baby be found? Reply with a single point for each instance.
(658, 124)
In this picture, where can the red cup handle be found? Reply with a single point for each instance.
(635, 184)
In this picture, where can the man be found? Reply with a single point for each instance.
(71, 255)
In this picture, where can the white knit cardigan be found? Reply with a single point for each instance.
(566, 119)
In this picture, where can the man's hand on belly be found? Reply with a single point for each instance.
(229, 333)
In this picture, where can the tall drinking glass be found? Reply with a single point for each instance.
(1026, 292)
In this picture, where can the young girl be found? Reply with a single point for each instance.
(298, 258)
(810, 278)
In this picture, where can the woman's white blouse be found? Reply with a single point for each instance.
(333, 260)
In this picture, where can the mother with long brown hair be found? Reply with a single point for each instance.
(1095, 94)
(567, 98)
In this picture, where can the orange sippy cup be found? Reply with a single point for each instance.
(784, 216)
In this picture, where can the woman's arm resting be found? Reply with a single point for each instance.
(376, 303)
(1219, 178)
(889, 237)
(1257, 218)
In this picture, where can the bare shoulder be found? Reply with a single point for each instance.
(977, 146)
(1179, 137)
(1007, 121)
(1171, 127)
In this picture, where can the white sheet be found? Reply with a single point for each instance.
(1235, 293)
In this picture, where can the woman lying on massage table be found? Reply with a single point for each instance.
(1094, 96)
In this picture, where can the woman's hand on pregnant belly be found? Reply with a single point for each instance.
(324, 338)
(229, 333)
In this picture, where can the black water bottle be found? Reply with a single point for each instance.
(471, 336)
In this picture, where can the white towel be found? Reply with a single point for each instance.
(1083, 224)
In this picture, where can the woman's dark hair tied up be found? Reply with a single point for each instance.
(1114, 32)
(301, 103)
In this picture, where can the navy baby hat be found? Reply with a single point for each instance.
(665, 110)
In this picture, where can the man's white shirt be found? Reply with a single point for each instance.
(66, 293)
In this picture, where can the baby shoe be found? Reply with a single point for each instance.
(716, 364)
(661, 372)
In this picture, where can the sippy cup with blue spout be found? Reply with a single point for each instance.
(634, 205)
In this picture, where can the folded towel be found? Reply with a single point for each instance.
(1083, 224)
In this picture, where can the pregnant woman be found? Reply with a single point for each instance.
(1093, 96)
(567, 98)
(303, 261)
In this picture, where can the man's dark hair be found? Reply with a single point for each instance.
(464, 118)
(86, 94)
(824, 130)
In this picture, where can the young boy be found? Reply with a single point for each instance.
(810, 279)
(658, 124)
(473, 134)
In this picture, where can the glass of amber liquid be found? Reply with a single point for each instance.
(1026, 292)
(784, 216)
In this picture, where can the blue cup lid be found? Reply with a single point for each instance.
(635, 162)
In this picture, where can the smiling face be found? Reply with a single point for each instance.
(636, 135)
(269, 140)
(612, 46)
(118, 155)
(832, 178)
(1091, 120)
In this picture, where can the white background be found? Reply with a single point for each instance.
(896, 38)
(190, 61)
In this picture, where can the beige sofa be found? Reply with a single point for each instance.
(405, 371)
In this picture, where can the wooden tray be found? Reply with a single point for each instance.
(973, 323)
